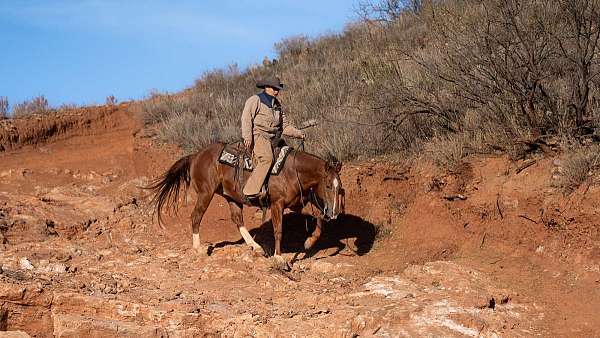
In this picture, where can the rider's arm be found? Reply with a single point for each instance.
(289, 129)
(250, 109)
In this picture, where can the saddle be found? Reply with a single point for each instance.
(236, 155)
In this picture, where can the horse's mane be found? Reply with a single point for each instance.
(329, 157)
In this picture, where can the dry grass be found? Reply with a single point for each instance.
(578, 166)
(448, 151)
(382, 232)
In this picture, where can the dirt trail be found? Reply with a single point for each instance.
(482, 252)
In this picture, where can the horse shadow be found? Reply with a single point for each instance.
(337, 234)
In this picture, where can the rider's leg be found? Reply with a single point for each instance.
(263, 158)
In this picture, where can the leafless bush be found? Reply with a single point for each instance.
(387, 10)
(520, 69)
(3, 107)
(37, 105)
(111, 100)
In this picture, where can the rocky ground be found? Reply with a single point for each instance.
(487, 250)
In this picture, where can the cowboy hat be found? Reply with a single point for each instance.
(273, 82)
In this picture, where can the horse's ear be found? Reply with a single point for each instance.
(338, 167)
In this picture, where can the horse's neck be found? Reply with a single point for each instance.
(309, 168)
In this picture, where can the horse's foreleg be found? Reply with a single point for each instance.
(277, 220)
(202, 204)
(238, 218)
(310, 241)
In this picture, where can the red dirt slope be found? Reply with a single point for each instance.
(483, 252)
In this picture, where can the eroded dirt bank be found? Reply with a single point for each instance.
(484, 251)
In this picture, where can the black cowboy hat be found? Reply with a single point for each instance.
(273, 82)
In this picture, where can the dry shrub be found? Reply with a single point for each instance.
(194, 131)
(527, 68)
(578, 166)
(68, 106)
(292, 47)
(3, 107)
(448, 150)
(37, 105)
(111, 100)
(157, 107)
(382, 232)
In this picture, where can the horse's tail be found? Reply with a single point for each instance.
(167, 187)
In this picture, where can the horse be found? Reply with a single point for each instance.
(304, 178)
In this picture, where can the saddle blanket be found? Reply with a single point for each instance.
(230, 158)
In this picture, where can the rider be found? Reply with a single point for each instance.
(262, 121)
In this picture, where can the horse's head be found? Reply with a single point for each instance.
(329, 193)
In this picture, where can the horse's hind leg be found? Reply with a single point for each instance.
(204, 198)
(238, 218)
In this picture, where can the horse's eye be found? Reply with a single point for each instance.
(328, 186)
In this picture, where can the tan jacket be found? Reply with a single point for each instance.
(259, 119)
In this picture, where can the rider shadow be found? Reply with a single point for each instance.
(337, 234)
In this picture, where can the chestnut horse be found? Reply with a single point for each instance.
(304, 178)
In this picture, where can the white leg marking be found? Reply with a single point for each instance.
(248, 238)
(336, 185)
(196, 240)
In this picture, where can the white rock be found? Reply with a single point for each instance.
(25, 264)
(323, 267)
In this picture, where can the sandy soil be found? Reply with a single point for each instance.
(483, 251)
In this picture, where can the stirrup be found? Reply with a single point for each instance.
(260, 198)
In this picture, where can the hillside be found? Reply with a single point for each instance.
(490, 249)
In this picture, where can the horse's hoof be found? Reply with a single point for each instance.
(203, 250)
(279, 263)
(308, 244)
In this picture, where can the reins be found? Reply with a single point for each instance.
(312, 196)
(297, 175)
(311, 193)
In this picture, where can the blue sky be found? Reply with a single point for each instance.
(80, 51)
